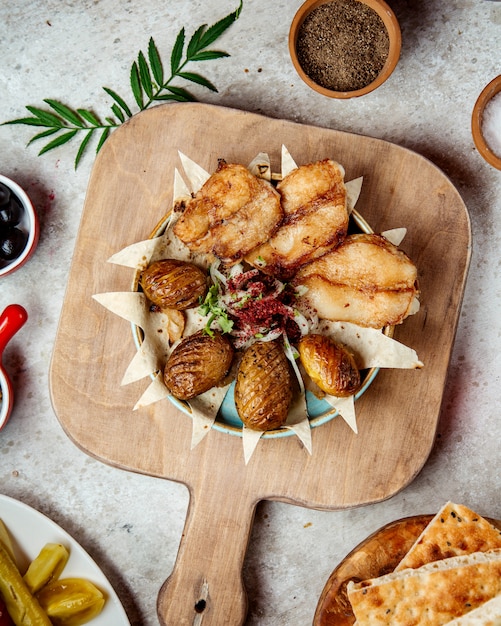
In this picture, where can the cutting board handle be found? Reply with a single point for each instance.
(206, 586)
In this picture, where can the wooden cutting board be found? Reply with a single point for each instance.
(130, 189)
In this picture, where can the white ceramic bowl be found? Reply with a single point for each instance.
(12, 319)
(6, 398)
(29, 223)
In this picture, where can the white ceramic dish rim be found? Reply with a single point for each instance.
(32, 226)
(31, 530)
(5, 400)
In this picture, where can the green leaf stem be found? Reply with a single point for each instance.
(148, 86)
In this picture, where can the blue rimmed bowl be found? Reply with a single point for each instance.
(227, 420)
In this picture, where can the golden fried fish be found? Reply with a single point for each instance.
(366, 280)
(232, 213)
(316, 218)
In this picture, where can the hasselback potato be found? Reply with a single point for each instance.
(263, 390)
(197, 364)
(330, 365)
(174, 284)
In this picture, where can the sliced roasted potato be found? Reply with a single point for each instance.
(197, 364)
(263, 390)
(174, 284)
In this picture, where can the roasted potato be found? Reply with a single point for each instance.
(197, 364)
(330, 365)
(263, 390)
(174, 284)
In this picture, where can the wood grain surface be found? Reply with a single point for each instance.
(129, 191)
(377, 555)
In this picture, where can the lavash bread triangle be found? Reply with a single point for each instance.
(431, 595)
(489, 614)
(455, 530)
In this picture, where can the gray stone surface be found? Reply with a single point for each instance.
(132, 524)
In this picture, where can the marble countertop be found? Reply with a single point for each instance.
(131, 524)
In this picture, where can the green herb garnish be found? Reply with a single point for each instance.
(211, 306)
(148, 84)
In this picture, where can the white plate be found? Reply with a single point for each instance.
(31, 530)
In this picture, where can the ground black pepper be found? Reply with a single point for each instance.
(343, 45)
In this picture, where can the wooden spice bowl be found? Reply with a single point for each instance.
(491, 90)
(395, 43)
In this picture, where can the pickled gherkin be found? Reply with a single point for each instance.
(46, 567)
(22, 606)
(71, 601)
(5, 536)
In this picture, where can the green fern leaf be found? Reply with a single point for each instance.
(83, 146)
(177, 52)
(65, 112)
(58, 141)
(135, 84)
(155, 62)
(120, 101)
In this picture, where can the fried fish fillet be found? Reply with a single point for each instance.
(232, 213)
(313, 198)
(366, 280)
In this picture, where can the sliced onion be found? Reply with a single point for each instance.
(216, 275)
(291, 353)
(302, 322)
(271, 335)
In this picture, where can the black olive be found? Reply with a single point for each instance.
(12, 243)
(4, 194)
(11, 212)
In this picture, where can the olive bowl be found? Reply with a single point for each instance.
(28, 225)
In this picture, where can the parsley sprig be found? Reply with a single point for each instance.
(149, 85)
(212, 307)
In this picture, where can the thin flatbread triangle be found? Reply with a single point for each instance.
(455, 530)
(433, 594)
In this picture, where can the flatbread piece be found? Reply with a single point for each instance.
(455, 530)
(431, 595)
(489, 614)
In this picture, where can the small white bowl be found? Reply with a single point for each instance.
(6, 398)
(12, 319)
(29, 223)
